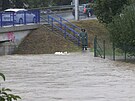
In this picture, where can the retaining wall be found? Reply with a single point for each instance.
(11, 37)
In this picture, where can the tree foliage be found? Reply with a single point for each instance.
(18, 3)
(32, 3)
(106, 9)
(122, 29)
(119, 17)
(36, 3)
(5, 4)
(4, 95)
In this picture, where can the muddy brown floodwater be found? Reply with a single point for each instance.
(72, 77)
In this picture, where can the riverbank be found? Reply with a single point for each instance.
(44, 41)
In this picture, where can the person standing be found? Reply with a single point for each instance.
(84, 39)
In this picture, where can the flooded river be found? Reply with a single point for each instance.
(72, 77)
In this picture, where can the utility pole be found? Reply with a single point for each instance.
(77, 10)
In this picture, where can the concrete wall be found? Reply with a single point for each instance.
(15, 34)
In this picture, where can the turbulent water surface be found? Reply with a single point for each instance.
(72, 77)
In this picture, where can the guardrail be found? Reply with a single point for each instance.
(67, 22)
(36, 11)
(68, 31)
(22, 17)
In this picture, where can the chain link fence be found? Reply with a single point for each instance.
(104, 48)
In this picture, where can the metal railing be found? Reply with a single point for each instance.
(16, 18)
(69, 23)
(68, 31)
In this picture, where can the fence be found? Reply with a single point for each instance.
(70, 30)
(98, 49)
(124, 52)
(104, 48)
(12, 18)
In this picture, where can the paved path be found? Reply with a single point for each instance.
(73, 77)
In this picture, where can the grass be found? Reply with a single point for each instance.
(93, 28)
(44, 41)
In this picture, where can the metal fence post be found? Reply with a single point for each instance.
(38, 16)
(113, 51)
(125, 55)
(52, 24)
(61, 22)
(65, 32)
(24, 17)
(13, 19)
(1, 19)
(125, 52)
(104, 48)
(95, 46)
(78, 40)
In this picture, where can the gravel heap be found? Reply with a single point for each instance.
(44, 41)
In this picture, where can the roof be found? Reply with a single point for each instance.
(15, 10)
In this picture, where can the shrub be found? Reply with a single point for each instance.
(106, 9)
(4, 96)
(122, 29)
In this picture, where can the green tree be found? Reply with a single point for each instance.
(5, 4)
(106, 9)
(122, 29)
(4, 96)
(18, 4)
(39, 3)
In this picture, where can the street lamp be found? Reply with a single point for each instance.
(76, 9)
